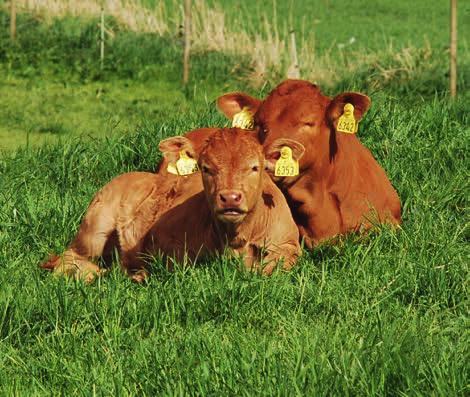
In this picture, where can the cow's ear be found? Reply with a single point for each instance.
(233, 103)
(171, 148)
(335, 109)
(272, 152)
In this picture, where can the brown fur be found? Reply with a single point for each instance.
(122, 213)
(341, 187)
(197, 228)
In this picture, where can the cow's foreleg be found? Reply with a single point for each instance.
(132, 237)
(71, 264)
(286, 253)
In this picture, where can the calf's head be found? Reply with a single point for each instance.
(296, 109)
(232, 165)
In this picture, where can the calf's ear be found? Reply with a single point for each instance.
(272, 152)
(171, 148)
(335, 109)
(233, 103)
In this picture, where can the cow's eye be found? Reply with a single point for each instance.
(309, 123)
(255, 168)
(205, 169)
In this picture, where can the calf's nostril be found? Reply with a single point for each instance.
(230, 198)
(237, 197)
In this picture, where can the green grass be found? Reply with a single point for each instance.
(51, 76)
(331, 22)
(53, 88)
(382, 315)
(50, 110)
(385, 314)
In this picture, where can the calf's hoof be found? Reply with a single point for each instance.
(139, 276)
(87, 272)
(268, 269)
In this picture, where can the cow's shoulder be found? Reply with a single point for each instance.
(278, 214)
(187, 226)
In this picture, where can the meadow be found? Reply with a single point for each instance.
(382, 314)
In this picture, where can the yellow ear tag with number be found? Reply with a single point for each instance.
(171, 168)
(243, 119)
(286, 165)
(347, 123)
(184, 166)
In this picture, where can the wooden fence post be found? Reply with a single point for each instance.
(12, 20)
(102, 39)
(187, 40)
(453, 48)
(294, 69)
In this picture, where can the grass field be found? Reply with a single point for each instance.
(53, 86)
(385, 314)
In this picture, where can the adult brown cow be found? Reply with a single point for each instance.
(340, 187)
(245, 206)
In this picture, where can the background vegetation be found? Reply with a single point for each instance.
(382, 314)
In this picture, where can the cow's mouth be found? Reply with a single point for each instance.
(232, 215)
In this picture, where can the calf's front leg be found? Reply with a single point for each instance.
(287, 253)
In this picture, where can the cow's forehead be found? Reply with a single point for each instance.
(293, 99)
(229, 144)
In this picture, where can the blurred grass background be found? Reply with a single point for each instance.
(54, 88)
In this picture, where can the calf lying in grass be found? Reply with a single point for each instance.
(122, 212)
(238, 208)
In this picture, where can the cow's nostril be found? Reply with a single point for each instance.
(237, 197)
(230, 198)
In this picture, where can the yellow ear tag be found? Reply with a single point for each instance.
(347, 123)
(172, 169)
(243, 119)
(286, 165)
(185, 165)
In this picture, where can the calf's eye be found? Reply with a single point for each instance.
(205, 169)
(255, 168)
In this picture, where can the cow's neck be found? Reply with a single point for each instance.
(331, 149)
(320, 152)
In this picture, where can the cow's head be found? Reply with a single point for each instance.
(232, 165)
(296, 109)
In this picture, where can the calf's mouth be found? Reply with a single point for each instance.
(231, 214)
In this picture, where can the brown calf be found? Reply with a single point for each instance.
(240, 208)
(341, 187)
(123, 212)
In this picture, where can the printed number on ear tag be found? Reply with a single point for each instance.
(184, 166)
(286, 165)
(347, 123)
(243, 119)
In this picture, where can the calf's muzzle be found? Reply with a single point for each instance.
(230, 205)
